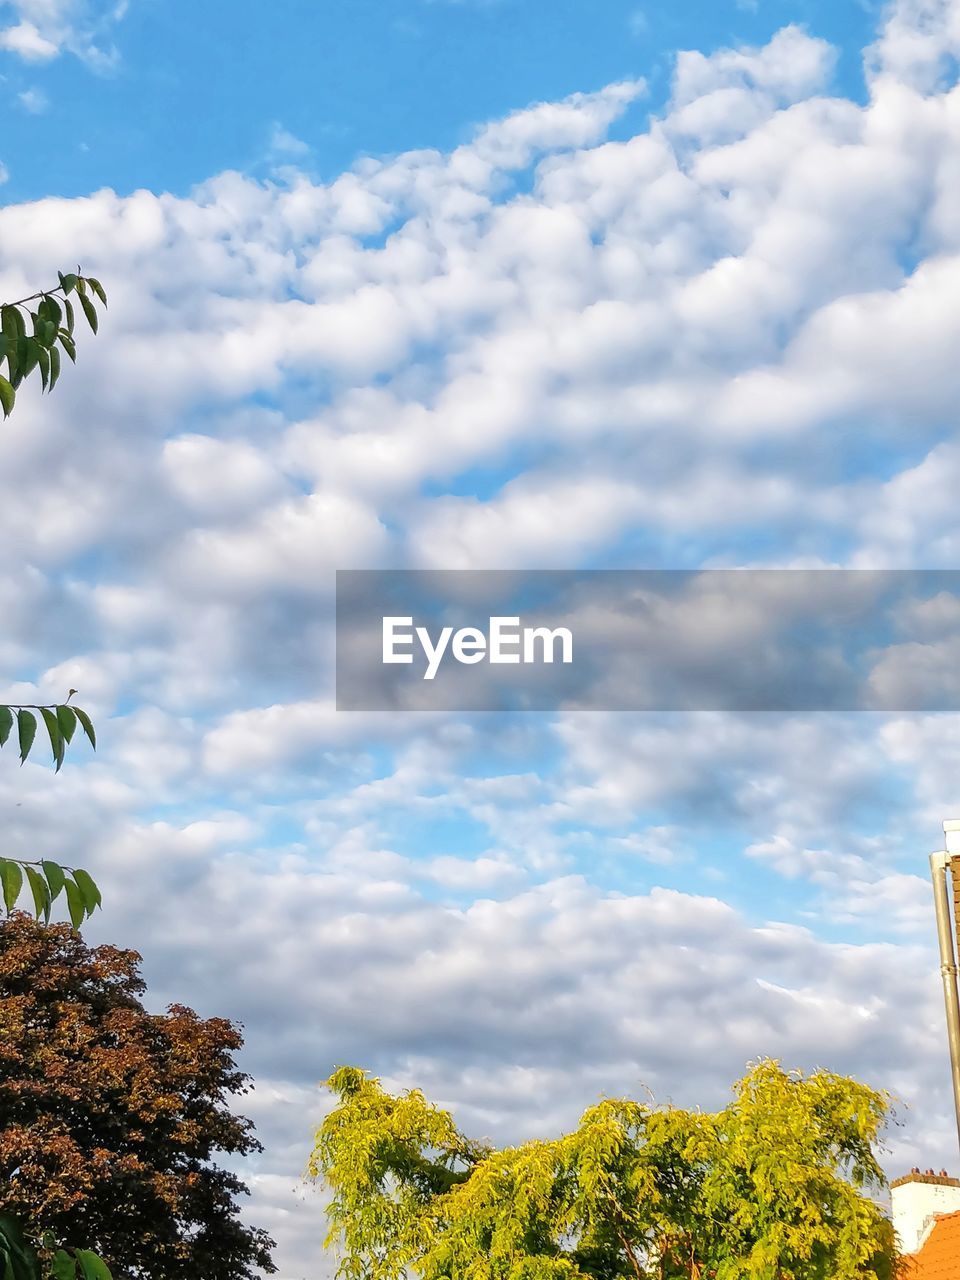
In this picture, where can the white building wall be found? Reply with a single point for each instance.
(916, 1202)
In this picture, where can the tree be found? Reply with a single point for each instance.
(110, 1116)
(773, 1187)
(30, 342)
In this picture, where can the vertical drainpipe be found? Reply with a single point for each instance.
(940, 864)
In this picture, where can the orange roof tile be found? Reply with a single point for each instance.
(939, 1256)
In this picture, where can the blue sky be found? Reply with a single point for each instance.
(506, 285)
(188, 90)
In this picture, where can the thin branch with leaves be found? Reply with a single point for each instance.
(31, 338)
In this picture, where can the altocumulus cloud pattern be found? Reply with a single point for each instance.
(728, 337)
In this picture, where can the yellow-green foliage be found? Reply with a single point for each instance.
(773, 1187)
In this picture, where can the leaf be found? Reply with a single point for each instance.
(11, 322)
(19, 1257)
(68, 308)
(88, 890)
(54, 367)
(93, 1268)
(62, 1266)
(97, 288)
(51, 309)
(69, 346)
(41, 894)
(67, 720)
(43, 360)
(89, 311)
(28, 355)
(44, 329)
(11, 877)
(67, 282)
(7, 397)
(10, 1232)
(26, 731)
(57, 743)
(86, 726)
(55, 878)
(6, 724)
(75, 904)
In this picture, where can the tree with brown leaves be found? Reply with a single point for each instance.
(110, 1116)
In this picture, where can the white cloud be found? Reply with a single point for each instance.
(26, 41)
(916, 42)
(246, 477)
(35, 101)
(47, 28)
(638, 23)
(853, 886)
(284, 143)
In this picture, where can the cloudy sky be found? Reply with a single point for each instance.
(484, 285)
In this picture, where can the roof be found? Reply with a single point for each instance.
(939, 1256)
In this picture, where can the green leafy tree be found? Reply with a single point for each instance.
(773, 1187)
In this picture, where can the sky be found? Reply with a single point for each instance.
(484, 285)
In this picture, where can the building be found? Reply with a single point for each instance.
(926, 1219)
